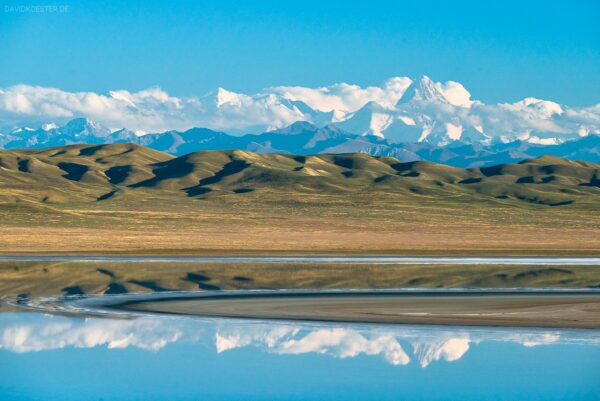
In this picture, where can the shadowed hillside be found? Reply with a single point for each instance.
(128, 197)
(101, 172)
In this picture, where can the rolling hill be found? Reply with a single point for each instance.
(101, 172)
(125, 197)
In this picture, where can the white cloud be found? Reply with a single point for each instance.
(344, 97)
(426, 113)
(537, 107)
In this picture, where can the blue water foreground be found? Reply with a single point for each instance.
(48, 357)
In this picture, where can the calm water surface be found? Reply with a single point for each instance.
(409, 260)
(46, 357)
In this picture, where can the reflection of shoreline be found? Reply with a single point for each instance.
(397, 345)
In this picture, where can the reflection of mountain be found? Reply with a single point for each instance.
(347, 343)
(338, 342)
(427, 344)
(450, 349)
(30, 333)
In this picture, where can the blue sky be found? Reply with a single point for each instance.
(500, 51)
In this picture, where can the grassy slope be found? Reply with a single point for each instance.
(126, 198)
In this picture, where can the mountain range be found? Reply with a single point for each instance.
(304, 138)
(401, 110)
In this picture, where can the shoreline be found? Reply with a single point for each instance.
(223, 253)
(550, 309)
(324, 259)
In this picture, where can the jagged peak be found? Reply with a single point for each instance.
(427, 90)
(83, 124)
(223, 96)
(296, 128)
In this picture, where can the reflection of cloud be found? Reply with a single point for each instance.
(35, 332)
(150, 334)
(345, 343)
(338, 342)
(230, 339)
(428, 344)
(532, 340)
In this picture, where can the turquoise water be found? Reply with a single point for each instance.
(46, 357)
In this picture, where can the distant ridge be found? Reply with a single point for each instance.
(303, 138)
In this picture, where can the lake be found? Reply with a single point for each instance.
(51, 357)
(98, 351)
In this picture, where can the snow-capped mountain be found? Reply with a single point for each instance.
(302, 138)
(79, 130)
(400, 110)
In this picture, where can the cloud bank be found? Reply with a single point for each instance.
(399, 109)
